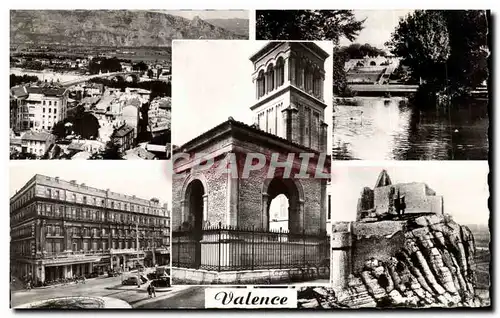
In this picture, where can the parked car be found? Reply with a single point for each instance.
(132, 280)
(92, 275)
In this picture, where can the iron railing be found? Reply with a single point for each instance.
(228, 248)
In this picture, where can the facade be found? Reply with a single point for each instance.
(38, 108)
(289, 80)
(61, 228)
(207, 203)
(123, 137)
(382, 200)
(36, 143)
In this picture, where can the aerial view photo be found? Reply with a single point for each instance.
(96, 84)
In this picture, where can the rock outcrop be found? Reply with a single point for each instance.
(432, 268)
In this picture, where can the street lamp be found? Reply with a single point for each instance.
(137, 250)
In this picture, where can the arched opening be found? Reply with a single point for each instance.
(373, 63)
(261, 84)
(195, 193)
(196, 215)
(270, 78)
(285, 195)
(360, 64)
(278, 214)
(280, 72)
(118, 78)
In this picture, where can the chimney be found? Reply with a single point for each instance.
(57, 179)
(73, 182)
(83, 184)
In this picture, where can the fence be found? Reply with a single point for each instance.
(227, 248)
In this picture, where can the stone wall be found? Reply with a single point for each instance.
(417, 198)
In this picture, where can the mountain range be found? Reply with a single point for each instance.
(120, 28)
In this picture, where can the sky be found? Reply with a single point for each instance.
(143, 178)
(378, 26)
(213, 81)
(463, 185)
(210, 14)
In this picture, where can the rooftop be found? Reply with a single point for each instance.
(271, 45)
(37, 136)
(47, 91)
(122, 131)
(139, 153)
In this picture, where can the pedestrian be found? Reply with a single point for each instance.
(153, 290)
(83, 279)
(403, 205)
(150, 292)
(28, 285)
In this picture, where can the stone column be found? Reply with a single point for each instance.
(232, 197)
(41, 272)
(183, 212)
(302, 216)
(65, 271)
(264, 216)
(205, 208)
(290, 64)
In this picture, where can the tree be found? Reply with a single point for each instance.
(307, 25)
(23, 79)
(150, 73)
(141, 66)
(340, 87)
(447, 49)
(359, 51)
(59, 129)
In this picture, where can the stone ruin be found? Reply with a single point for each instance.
(421, 259)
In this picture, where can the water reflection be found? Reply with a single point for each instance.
(381, 129)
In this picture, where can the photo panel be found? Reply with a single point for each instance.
(96, 84)
(89, 236)
(407, 84)
(408, 234)
(250, 173)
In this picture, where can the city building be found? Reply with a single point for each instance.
(37, 108)
(60, 229)
(123, 137)
(36, 142)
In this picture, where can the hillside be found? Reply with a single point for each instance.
(237, 26)
(120, 28)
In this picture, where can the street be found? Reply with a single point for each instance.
(190, 297)
(175, 297)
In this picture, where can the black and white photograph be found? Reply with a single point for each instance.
(242, 217)
(96, 84)
(412, 235)
(407, 84)
(91, 236)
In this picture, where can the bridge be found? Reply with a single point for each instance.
(117, 75)
(383, 89)
(401, 90)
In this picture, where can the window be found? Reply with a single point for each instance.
(55, 110)
(44, 110)
(74, 197)
(49, 193)
(50, 111)
(50, 103)
(57, 194)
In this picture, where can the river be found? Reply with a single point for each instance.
(391, 129)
